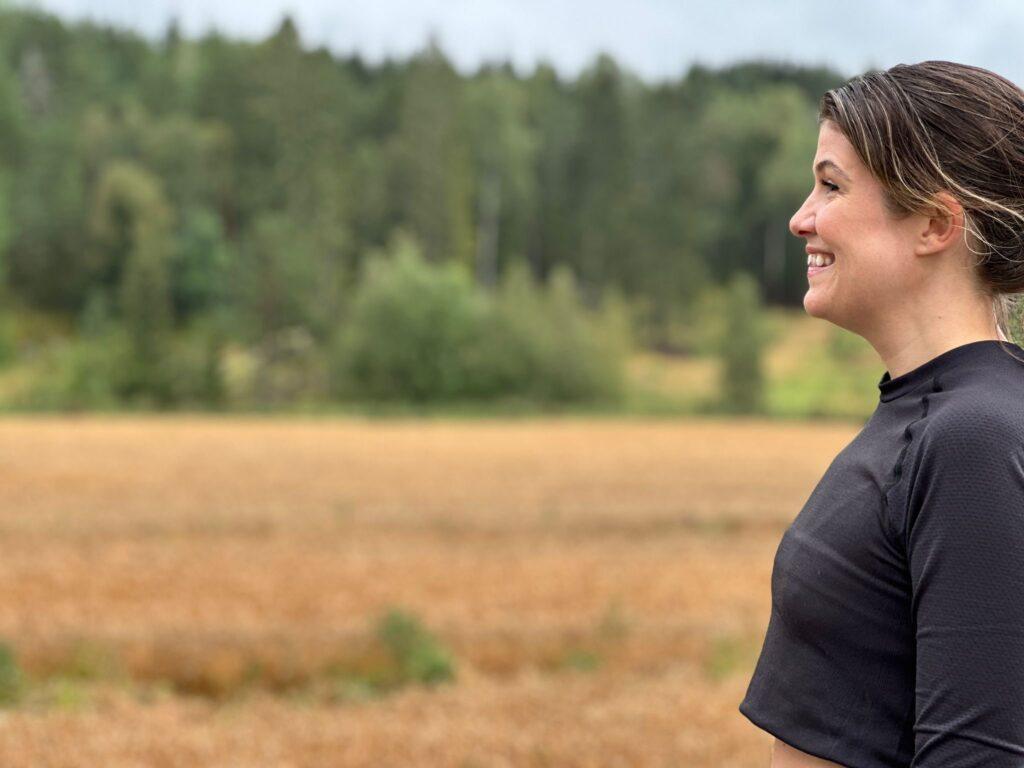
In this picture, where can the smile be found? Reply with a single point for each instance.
(819, 262)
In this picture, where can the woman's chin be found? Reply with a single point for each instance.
(815, 305)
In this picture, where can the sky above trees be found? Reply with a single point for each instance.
(656, 39)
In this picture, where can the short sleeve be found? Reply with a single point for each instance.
(964, 540)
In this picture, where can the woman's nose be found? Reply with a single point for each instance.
(802, 222)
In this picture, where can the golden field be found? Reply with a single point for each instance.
(150, 565)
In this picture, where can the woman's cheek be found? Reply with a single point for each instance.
(823, 223)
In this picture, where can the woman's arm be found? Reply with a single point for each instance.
(965, 547)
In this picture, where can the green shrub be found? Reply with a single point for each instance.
(422, 332)
(7, 340)
(76, 374)
(707, 320)
(12, 681)
(408, 324)
(90, 661)
(741, 347)
(417, 654)
(288, 368)
(195, 367)
(580, 659)
(727, 655)
(583, 355)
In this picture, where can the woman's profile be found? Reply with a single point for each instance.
(896, 633)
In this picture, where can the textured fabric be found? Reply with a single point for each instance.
(896, 633)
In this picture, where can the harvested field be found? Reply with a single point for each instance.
(180, 589)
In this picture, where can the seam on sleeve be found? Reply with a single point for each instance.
(896, 473)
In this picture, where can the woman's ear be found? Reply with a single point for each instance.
(944, 227)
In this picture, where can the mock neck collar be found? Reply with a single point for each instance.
(890, 388)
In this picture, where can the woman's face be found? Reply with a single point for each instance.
(845, 216)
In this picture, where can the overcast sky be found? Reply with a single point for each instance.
(656, 39)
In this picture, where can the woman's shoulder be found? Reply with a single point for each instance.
(986, 401)
(971, 425)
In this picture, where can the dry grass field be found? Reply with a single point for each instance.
(178, 589)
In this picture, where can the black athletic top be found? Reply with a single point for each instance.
(896, 635)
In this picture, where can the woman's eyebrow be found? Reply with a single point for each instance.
(822, 165)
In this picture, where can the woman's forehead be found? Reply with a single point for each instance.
(835, 152)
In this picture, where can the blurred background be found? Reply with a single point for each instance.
(409, 383)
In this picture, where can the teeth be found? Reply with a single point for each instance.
(819, 260)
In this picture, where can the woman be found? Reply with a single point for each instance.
(896, 636)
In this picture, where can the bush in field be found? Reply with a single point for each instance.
(196, 376)
(543, 344)
(741, 347)
(92, 370)
(12, 680)
(425, 332)
(588, 351)
(417, 653)
(408, 324)
(7, 343)
(76, 374)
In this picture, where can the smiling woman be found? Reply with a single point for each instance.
(896, 635)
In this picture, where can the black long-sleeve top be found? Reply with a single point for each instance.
(896, 633)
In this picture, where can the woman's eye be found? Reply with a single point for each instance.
(831, 187)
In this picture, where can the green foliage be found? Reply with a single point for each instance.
(12, 680)
(181, 178)
(8, 347)
(1014, 310)
(844, 346)
(289, 369)
(201, 264)
(91, 661)
(432, 164)
(728, 654)
(827, 382)
(418, 654)
(47, 212)
(408, 326)
(425, 333)
(64, 694)
(551, 349)
(503, 145)
(275, 278)
(580, 659)
(94, 370)
(706, 325)
(196, 367)
(604, 252)
(77, 374)
(132, 217)
(741, 348)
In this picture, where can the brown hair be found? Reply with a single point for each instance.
(942, 126)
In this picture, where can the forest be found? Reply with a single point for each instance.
(205, 221)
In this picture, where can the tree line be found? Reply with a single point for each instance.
(241, 188)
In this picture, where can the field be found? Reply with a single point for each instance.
(183, 591)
